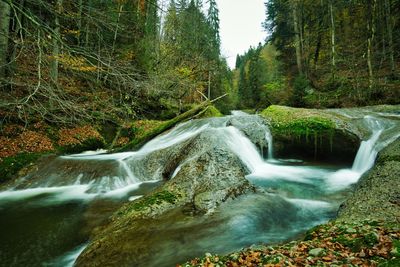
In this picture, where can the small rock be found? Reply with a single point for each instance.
(316, 252)
(351, 231)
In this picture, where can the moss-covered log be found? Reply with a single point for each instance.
(136, 143)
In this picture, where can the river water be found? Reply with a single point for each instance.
(46, 219)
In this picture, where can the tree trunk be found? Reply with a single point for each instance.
(371, 35)
(4, 36)
(333, 39)
(56, 45)
(17, 38)
(319, 38)
(80, 11)
(87, 23)
(389, 27)
(297, 38)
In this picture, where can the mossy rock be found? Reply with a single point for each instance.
(377, 194)
(10, 166)
(149, 201)
(311, 133)
(298, 122)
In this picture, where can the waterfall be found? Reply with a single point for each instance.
(366, 154)
(268, 137)
(243, 148)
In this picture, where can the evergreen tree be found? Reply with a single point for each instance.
(213, 22)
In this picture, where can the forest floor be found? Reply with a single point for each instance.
(368, 243)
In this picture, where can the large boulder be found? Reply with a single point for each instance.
(200, 174)
(312, 133)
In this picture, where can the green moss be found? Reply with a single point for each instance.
(211, 112)
(150, 200)
(396, 248)
(355, 244)
(139, 129)
(390, 263)
(10, 166)
(298, 122)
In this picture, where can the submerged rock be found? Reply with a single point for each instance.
(201, 173)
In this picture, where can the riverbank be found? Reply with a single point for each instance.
(21, 146)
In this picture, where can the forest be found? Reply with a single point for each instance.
(324, 54)
(71, 61)
(127, 138)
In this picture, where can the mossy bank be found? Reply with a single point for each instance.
(312, 133)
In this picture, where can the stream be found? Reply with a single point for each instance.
(47, 217)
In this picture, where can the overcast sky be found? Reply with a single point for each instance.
(240, 26)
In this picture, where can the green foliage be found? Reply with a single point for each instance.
(211, 112)
(274, 93)
(191, 53)
(300, 87)
(260, 80)
(10, 166)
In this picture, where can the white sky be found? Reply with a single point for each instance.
(240, 26)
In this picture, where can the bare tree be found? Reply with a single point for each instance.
(5, 10)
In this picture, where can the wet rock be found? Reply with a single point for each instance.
(201, 173)
(316, 252)
(253, 126)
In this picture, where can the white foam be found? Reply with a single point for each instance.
(60, 193)
(309, 204)
(99, 156)
(121, 192)
(239, 113)
(69, 258)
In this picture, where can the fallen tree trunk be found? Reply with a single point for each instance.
(138, 143)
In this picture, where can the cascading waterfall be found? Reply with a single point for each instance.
(268, 137)
(297, 195)
(366, 154)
